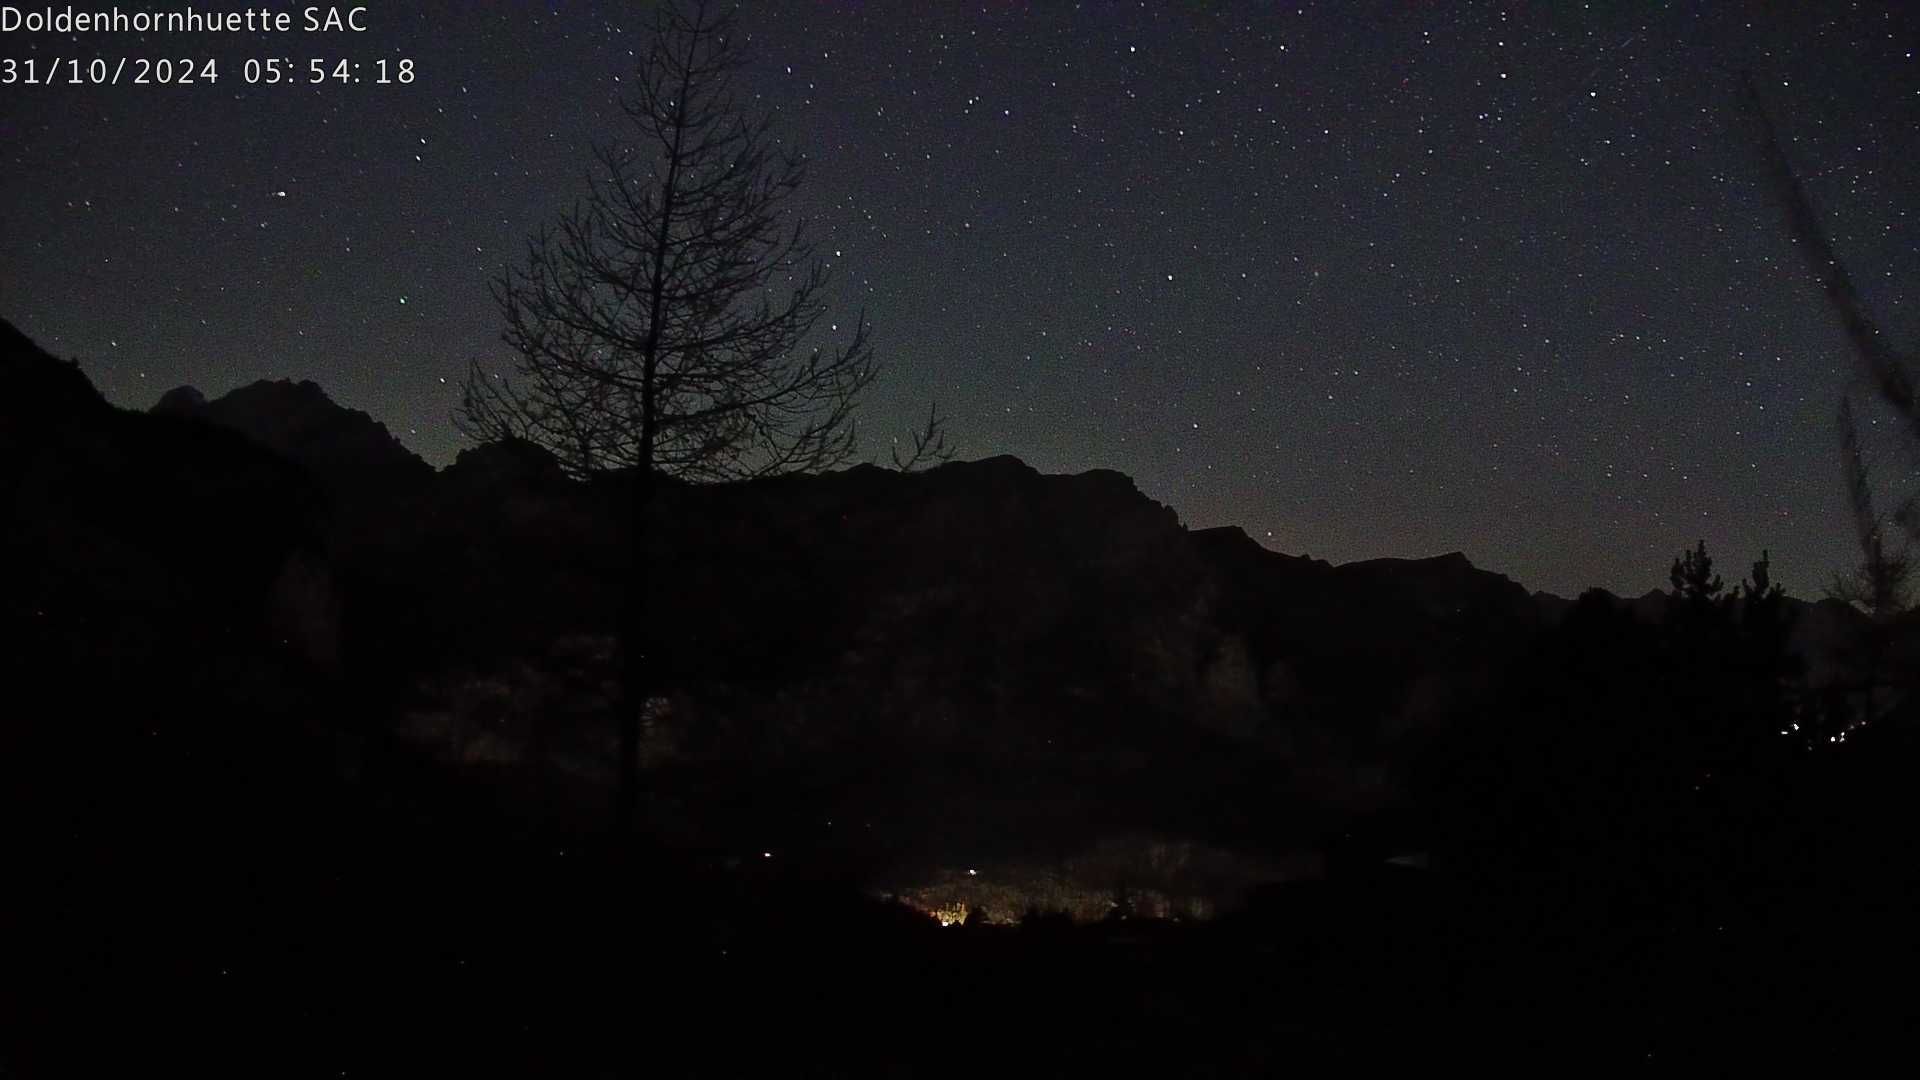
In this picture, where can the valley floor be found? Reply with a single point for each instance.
(479, 960)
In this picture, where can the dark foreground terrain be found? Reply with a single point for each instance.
(153, 927)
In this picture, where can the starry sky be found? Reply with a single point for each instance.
(1365, 279)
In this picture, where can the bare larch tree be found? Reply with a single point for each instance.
(666, 324)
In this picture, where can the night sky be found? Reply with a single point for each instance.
(1367, 280)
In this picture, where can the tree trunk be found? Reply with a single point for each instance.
(634, 668)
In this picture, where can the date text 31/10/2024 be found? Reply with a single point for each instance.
(68, 20)
(187, 71)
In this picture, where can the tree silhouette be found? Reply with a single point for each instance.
(1878, 584)
(646, 320)
(1763, 607)
(1693, 580)
(1734, 672)
(666, 323)
(1769, 672)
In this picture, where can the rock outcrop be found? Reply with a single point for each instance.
(344, 448)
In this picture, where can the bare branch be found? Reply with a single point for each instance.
(929, 445)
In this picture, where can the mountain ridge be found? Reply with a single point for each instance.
(972, 658)
(298, 419)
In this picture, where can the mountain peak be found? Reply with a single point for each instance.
(298, 419)
(180, 401)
